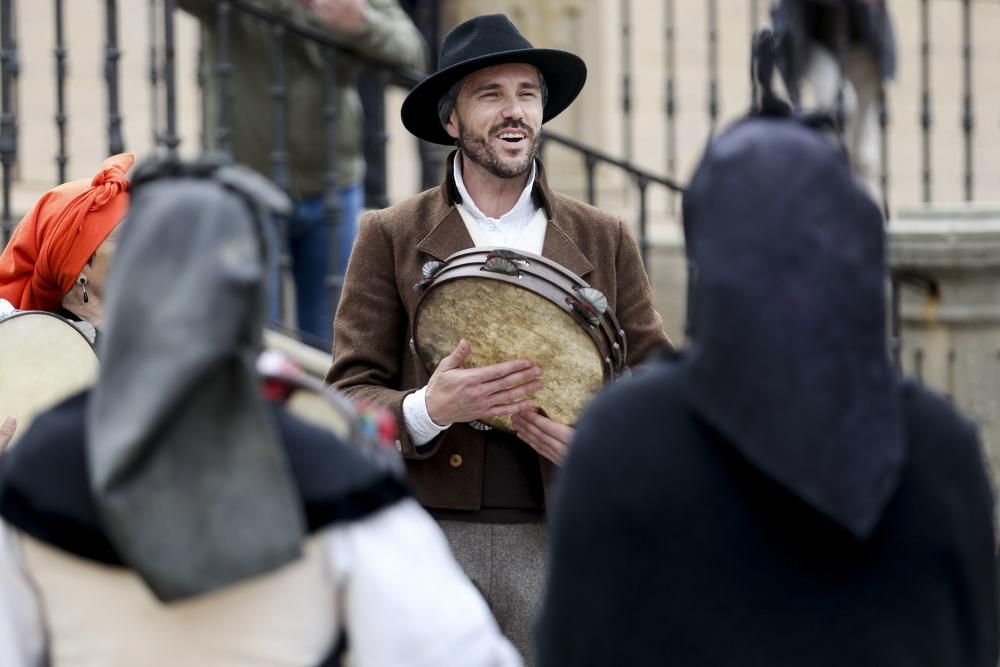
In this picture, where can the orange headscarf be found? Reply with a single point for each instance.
(53, 242)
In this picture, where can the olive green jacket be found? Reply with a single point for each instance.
(387, 36)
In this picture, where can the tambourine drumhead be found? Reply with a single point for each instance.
(524, 317)
(318, 410)
(43, 360)
(306, 397)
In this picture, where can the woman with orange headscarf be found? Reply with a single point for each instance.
(58, 256)
(57, 261)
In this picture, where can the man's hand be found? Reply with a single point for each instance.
(7, 432)
(456, 394)
(343, 15)
(550, 439)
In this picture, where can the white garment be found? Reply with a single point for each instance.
(6, 308)
(426, 613)
(520, 228)
(862, 79)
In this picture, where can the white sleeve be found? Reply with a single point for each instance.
(405, 599)
(22, 636)
(418, 422)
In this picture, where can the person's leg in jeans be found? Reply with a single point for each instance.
(352, 199)
(309, 247)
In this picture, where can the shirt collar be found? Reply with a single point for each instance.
(523, 208)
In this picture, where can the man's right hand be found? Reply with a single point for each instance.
(456, 394)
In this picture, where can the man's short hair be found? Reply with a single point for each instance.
(447, 102)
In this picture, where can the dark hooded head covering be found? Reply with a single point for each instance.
(186, 467)
(787, 317)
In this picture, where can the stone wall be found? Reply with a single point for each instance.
(951, 342)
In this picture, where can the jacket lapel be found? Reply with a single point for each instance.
(559, 245)
(447, 237)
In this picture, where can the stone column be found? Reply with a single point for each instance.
(951, 342)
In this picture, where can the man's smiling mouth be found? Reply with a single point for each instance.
(512, 136)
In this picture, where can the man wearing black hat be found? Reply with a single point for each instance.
(490, 97)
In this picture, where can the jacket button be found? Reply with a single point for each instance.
(455, 460)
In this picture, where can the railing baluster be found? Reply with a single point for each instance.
(153, 75)
(713, 64)
(8, 115)
(754, 25)
(331, 199)
(895, 322)
(170, 138)
(60, 56)
(926, 118)
(279, 156)
(200, 81)
(883, 125)
(116, 144)
(671, 97)
(223, 72)
(626, 14)
(968, 121)
(840, 40)
(279, 153)
(371, 85)
(642, 182)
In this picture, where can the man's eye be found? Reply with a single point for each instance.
(528, 93)
(488, 96)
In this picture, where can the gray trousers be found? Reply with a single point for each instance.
(506, 562)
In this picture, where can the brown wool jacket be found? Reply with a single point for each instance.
(372, 358)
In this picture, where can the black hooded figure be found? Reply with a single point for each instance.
(775, 494)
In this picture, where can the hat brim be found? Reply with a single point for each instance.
(564, 72)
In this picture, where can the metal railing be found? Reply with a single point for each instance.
(162, 77)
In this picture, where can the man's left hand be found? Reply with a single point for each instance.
(550, 439)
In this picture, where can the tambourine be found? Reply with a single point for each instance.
(44, 359)
(369, 427)
(517, 305)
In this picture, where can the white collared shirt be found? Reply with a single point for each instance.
(520, 228)
(515, 229)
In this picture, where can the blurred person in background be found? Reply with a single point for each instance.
(377, 30)
(841, 47)
(57, 261)
(172, 515)
(776, 494)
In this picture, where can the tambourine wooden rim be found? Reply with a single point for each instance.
(538, 276)
(468, 263)
(45, 313)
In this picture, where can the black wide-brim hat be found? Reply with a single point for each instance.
(479, 43)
